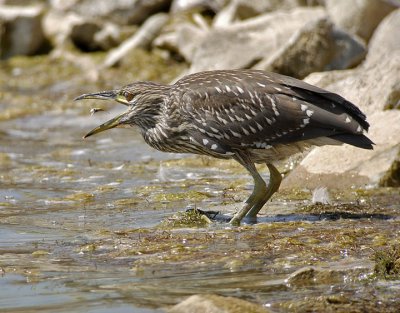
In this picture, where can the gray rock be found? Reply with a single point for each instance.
(141, 39)
(21, 30)
(318, 46)
(359, 17)
(245, 43)
(386, 38)
(342, 167)
(89, 35)
(244, 9)
(197, 5)
(216, 304)
(117, 11)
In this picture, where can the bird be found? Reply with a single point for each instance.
(251, 116)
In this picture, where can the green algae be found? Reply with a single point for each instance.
(191, 195)
(387, 262)
(190, 218)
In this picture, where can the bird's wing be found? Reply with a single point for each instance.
(256, 111)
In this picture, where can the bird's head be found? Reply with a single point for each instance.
(143, 99)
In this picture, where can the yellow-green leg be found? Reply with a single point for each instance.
(259, 191)
(275, 179)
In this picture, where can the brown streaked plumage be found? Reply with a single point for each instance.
(247, 115)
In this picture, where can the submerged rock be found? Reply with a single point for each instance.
(216, 304)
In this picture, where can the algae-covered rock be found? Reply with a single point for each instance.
(387, 262)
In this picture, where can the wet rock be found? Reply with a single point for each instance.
(119, 11)
(245, 43)
(341, 167)
(21, 30)
(141, 39)
(216, 304)
(318, 46)
(359, 17)
(307, 276)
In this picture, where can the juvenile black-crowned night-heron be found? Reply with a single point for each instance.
(247, 115)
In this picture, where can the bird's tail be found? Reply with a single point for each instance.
(360, 141)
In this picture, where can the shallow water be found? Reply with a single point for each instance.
(91, 226)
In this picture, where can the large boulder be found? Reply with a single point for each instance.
(243, 44)
(360, 17)
(21, 30)
(318, 46)
(385, 39)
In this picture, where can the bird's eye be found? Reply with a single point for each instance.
(127, 95)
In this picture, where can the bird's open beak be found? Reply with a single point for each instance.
(102, 95)
(116, 121)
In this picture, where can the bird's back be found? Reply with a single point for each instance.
(251, 109)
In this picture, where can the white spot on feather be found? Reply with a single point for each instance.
(245, 131)
(218, 89)
(348, 120)
(214, 147)
(261, 85)
(235, 134)
(239, 89)
(205, 141)
(359, 129)
(304, 107)
(227, 88)
(309, 113)
(306, 121)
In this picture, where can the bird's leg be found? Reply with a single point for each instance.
(260, 189)
(275, 179)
